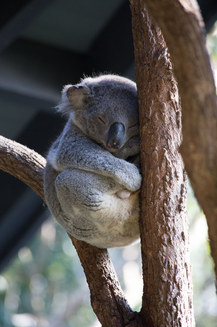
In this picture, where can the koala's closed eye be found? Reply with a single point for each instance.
(101, 120)
(133, 126)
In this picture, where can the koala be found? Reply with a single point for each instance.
(92, 177)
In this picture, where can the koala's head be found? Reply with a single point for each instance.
(104, 108)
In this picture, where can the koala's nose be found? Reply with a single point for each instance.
(116, 136)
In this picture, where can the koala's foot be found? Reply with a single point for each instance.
(123, 194)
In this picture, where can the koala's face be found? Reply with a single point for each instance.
(105, 110)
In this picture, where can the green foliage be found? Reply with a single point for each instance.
(45, 285)
(204, 294)
(41, 281)
(212, 48)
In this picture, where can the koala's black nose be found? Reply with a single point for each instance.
(116, 136)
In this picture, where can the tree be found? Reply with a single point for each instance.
(167, 298)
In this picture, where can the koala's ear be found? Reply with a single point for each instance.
(74, 96)
(77, 95)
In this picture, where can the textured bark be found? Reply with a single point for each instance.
(167, 297)
(182, 27)
(107, 298)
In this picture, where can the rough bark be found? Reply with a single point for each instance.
(107, 298)
(182, 27)
(167, 297)
(22, 163)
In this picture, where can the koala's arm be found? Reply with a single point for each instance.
(73, 150)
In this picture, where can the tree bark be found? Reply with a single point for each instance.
(183, 30)
(167, 297)
(22, 163)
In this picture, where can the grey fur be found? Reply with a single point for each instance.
(89, 185)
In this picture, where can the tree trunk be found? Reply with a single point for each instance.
(167, 298)
(183, 30)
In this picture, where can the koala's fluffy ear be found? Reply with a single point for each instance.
(73, 97)
(77, 95)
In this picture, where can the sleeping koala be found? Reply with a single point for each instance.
(91, 179)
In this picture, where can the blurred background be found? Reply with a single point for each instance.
(45, 44)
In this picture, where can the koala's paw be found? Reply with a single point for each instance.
(135, 182)
(132, 178)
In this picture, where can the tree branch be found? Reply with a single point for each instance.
(107, 297)
(167, 296)
(182, 27)
(22, 163)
